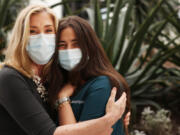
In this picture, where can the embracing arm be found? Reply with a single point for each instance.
(94, 106)
(100, 126)
(23, 107)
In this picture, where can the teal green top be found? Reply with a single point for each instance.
(90, 102)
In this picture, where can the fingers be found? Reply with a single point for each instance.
(126, 122)
(129, 113)
(121, 103)
(111, 100)
(127, 119)
(122, 100)
(113, 94)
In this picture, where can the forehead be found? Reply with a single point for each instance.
(41, 18)
(68, 34)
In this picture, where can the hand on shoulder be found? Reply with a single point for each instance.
(115, 109)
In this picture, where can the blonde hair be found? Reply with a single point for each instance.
(1, 65)
(16, 54)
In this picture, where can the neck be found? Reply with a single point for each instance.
(37, 69)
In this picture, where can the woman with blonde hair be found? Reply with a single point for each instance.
(23, 98)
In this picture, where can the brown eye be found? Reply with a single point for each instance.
(62, 46)
(32, 32)
(75, 45)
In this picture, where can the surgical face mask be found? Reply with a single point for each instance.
(41, 47)
(70, 58)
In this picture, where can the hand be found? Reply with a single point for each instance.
(66, 91)
(115, 109)
(127, 119)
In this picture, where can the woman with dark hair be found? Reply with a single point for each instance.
(86, 75)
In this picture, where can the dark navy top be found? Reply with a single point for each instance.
(90, 102)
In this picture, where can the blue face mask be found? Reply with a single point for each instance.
(41, 47)
(70, 58)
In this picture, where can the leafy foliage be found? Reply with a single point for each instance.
(8, 12)
(140, 37)
(155, 123)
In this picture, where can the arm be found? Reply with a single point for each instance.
(33, 119)
(95, 101)
(19, 102)
(94, 106)
(65, 112)
(100, 126)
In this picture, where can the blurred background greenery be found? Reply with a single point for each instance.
(141, 39)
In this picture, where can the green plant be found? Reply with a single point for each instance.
(8, 12)
(135, 35)
(137, 132)
(156, 123)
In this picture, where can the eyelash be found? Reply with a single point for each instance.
(49, 30)
(61, 45)
(32, 31)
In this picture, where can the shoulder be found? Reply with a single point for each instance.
(101, 78)
(97, 85)
(9, 74)
(12, 84)
(101, 81)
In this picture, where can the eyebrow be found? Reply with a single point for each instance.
(62, 41)
(49, 25)
(33, 27)
(74, 40)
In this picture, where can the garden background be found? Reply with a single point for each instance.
(141, 39)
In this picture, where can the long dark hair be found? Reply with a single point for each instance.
(93, 63)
